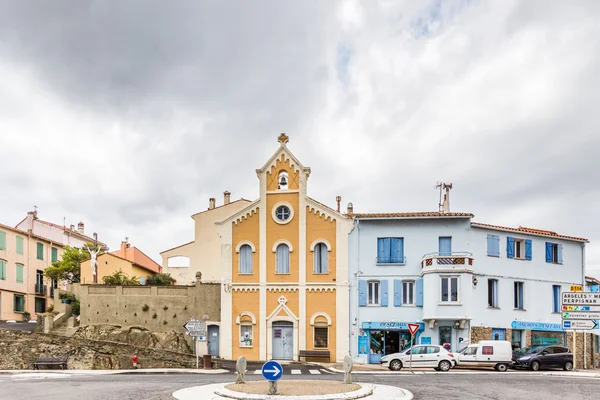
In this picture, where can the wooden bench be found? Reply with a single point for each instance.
(320, 354)
(60, 361)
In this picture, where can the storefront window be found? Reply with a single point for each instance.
(445, 335)
(376, 346)
(515, 340)
(540, 338)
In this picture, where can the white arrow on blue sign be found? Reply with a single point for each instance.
(272, 371)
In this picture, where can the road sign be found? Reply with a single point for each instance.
(580, 315)
(581, 308)
(413, 328)
(579, 324)
(576, 288)
(195, 327)
(272, 371)
(580, 299)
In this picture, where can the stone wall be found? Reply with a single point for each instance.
(157, 308)
(591, 358)
(20, 349)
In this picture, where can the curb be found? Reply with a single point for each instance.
(572, 374)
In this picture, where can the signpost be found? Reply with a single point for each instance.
(580, 299)
(580, 311)
(197, 330)
(580, 315)
(413, 328)
(272, 371)
(576, 288)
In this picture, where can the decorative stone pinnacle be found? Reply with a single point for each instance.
(283, 138)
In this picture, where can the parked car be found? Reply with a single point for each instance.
(495, 354)
(538, 357)
(433, 356)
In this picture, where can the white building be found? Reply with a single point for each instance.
(461, 281)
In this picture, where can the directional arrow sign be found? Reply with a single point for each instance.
(579, 324)
(580, 315)
(195, 327)
(272, 370)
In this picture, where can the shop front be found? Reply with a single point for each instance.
(541, 333)
(380, 338)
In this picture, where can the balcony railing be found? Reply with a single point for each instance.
(41, 289)
(391, 260)
(454, 258)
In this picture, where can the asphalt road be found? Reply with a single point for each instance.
(18, 326)
(155, 387)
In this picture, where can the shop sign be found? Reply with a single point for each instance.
(425, 339)
(390, 325)
(363, 345)
(536, 326)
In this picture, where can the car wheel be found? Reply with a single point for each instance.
(535, 366)
(444, 365)
(395, 365)
(501, 367)
(568, 366)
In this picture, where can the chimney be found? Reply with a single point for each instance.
(80, 227)
(72, 227)
(350, 209)
(227, 197)
(211, 203)
(124, 246)
(338, 199)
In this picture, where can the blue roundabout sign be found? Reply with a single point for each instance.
(272, 371)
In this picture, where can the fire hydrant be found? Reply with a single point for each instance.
(134, 360)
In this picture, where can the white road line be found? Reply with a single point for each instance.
(296, 372)
(314, 372)
(257, 372)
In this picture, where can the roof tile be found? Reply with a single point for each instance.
(529, 230)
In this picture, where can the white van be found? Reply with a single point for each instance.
(486, 353)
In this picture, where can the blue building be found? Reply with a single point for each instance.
(461, 281)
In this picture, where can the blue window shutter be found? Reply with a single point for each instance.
(556, 298)
(548, 252)
(521, 295)
(419, 299)
(510, 247)
(384, 293)
(528, 249)
(383, 250)
(445, 246)
(397, 292)
(496, 245)
(397, 250)
(560, 259)
(490, 245)
(362, 293)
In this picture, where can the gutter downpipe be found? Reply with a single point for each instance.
(583, 285)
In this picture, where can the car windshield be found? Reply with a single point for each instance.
(531, 350)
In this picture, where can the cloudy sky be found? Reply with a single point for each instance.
(129, 115)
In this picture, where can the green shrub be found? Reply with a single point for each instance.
(160, 280)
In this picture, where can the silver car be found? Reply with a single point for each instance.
(432, 356)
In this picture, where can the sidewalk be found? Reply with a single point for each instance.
(114, 371)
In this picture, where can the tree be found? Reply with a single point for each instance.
(68, 268)
(120, 278)
(160, 280)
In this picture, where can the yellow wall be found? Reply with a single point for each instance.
(319, 227)
(292, 301)
(321, 301)
(273, 175)
(245, 301)
(246, 229)
(288, 232)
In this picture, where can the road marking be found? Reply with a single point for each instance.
(34, 375)
(296, 372)
(314, 372)
(257, 372)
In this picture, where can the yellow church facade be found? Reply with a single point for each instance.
(284, 263)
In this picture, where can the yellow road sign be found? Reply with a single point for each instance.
(576, 288)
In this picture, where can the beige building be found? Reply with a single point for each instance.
(129, 259)
(23, 258)
(203, 254)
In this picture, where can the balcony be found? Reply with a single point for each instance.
(390, 260)
(460, 258)
(41, 289)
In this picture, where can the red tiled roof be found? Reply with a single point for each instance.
(426, 214)
(523, 229)
(136, 256)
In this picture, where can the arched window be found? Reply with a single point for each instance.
(245, 259)
(320, 259)
(282, 259)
